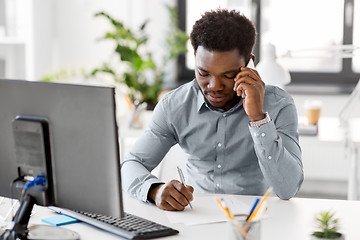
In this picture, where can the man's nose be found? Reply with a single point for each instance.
(215, 84)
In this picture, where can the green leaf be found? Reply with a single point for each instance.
(135, 59)
(112, 20)
(126, 53)
(143, 26)
(328, 225)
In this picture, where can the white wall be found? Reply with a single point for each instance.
(76, 30)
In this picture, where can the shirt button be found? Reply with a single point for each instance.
(263, 134)
(219, 144)
(217, 185)
(219, 166)
(269, 157)
(224, 115)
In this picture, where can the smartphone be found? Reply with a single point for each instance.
(32, 152)
(252, 66)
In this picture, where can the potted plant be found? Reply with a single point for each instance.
(139, 72)
(328, 227)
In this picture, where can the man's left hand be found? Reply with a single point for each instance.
(248, 81)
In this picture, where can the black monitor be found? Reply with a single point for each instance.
(83, 149)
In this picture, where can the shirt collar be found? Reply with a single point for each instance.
(201, 102)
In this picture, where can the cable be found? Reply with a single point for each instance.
(39, 180)
(11, 193)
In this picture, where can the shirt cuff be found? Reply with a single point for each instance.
(264, 134)
(146, 187)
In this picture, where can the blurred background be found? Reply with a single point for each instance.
(316, 42)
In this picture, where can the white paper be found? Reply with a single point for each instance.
(236, 206)
(207, 210)
(8, 207)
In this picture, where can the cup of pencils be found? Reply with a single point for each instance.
(241, 229)
(247, 227)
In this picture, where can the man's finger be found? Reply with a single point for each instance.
(190, 188)
(183, 191)
(175, 204)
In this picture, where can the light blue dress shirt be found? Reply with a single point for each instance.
(225, 154)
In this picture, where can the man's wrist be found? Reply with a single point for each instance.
(152, 191)
(260, 122)
(257, 118)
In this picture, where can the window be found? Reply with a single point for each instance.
(300, 31)
(308, 31)
(356, 37)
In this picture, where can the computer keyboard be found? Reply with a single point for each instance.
(130, 227)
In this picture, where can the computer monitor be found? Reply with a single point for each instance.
(83, 137)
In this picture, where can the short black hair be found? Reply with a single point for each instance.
(224, 30)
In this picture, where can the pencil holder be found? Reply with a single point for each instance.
(240, 229)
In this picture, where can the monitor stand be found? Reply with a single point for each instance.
(19, 227)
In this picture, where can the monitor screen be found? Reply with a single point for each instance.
(83, 142)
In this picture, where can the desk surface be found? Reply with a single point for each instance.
(292, 219)
(330, 129)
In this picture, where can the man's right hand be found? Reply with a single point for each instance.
(172, 196)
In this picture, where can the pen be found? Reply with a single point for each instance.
(223, 206)
(261, 213)
(253, 208)
(182, 178)
(266, 195)
(246, 226)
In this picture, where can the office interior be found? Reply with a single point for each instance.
(40, 38)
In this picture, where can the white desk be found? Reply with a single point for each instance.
(288, 220)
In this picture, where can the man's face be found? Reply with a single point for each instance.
(215, 72)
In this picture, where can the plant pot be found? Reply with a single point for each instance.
(341, 237)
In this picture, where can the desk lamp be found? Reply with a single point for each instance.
(270, 70)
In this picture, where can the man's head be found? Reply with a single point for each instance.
(223, 41)
(223, 30)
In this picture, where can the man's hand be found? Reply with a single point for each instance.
(249, 81)
(172, 196)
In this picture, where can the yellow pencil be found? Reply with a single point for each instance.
(129, 102)
(225, 209)
(239, 228)
(266, 195)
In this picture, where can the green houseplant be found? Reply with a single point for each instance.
(139, 72)
(328, 227)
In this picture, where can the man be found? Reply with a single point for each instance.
(240, 135)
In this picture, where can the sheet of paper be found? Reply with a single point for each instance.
(206, 210)
(236, 206)
(8, 208)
